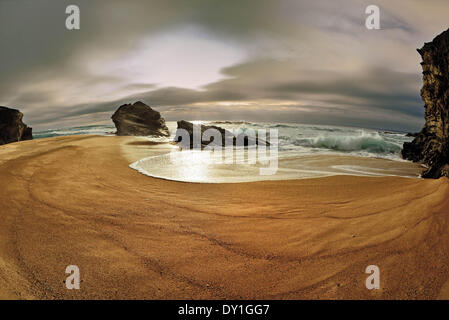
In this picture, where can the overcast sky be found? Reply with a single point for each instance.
(271, 60)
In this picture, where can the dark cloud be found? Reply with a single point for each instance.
(303, 61)
(329, 98)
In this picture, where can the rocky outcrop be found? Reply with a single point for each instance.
(138, 119)
(412, 134)
(227, 137)
(12, 129)
(431, 145)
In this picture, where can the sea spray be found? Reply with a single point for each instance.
(371, 142)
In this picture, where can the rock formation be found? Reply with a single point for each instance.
(431, 145)
(227, 137)
(138, 119)
(12, 129)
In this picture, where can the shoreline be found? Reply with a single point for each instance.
(179, 165)
(74, 200)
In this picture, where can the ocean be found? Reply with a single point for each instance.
(304, 151)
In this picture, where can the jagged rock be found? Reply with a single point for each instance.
(431, 145)
(227, 137)
(412, 134)
(138, 119)
(12, 129)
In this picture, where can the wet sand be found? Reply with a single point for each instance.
(75, 201)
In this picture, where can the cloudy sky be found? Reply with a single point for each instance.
(261, 60)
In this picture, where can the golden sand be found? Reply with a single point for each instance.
(74, 201)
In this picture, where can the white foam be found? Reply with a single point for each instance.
(198, 166)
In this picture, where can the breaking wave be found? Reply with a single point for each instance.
(369, 142)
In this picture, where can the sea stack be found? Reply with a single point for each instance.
(226, 138)
(138, 119)
(12, 129)
(431, 145)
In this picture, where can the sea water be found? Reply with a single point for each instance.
(304, 151)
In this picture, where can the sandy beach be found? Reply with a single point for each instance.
(75, 201)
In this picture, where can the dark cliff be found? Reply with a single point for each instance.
(431, 145)
(12, 129)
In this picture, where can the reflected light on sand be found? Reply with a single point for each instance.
(191, 165)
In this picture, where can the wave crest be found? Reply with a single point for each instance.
(369, 142)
